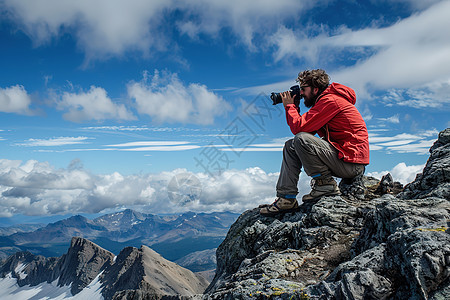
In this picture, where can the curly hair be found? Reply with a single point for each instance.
(316, 78)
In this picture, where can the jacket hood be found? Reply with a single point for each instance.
(341, 90)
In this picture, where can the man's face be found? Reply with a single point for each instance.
(309, 95)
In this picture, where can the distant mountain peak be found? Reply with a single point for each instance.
(82, 263)
(134, 270)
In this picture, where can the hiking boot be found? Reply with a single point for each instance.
(280, 206)
(322, 187)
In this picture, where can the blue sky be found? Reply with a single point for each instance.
(103, 104)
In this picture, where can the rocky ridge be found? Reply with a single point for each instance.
(133, 274)
(369, 243)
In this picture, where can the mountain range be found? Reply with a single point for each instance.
(173, 236)
(377, 240)
(88, 271)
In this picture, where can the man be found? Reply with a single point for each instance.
(342, 151)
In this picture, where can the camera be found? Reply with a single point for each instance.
(295, 91)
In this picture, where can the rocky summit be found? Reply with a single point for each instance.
(377, 240)
(134, 274)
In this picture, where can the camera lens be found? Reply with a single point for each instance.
(276, 98)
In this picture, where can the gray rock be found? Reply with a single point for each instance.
(434, 181)
(366, 244)
(199, 261)
(144, 274)
(34, 269)
(82, 263)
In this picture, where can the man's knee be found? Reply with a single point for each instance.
(288, 144)
(304, 137)
(303, 140)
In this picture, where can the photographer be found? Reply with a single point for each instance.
(342, 151)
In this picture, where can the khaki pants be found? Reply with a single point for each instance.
(318, 158)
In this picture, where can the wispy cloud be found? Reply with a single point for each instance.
(390, 48)
(150, 143)
(146, 146)
(163, 148)
(138, 146)
(52, 142)
(137, 128)
(394, 119)
(419, 143)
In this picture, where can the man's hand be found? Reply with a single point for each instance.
(288, 99)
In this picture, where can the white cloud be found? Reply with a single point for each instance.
(433, 95)
(150, 143)
(37, 188)
(419, 143)
(246, 19)
(163, 148)
(254, 149)
(15, 99)
(111, 28)
(417, 4)
(102, 28)
(57, 141)
(92, 105)
(166, 99)
(394, 119)
(411, 52)
(401, 173)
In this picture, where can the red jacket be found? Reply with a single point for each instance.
(335, 117)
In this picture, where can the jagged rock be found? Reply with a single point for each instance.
(365, 188)
(434, 181)
(82, 263)
(134, 274)
(199, 261)
(144, 274)
(366, 244)
(297, 248)
(30, 269)
(354, 188)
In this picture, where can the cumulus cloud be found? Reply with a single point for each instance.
(92, 105)
(401, 173)
(112, 28)
(37, 188)
(246, 19)
(165, 98)
(101, 29)
(15, 99)
(408, 53)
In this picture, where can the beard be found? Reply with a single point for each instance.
(310, 101)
